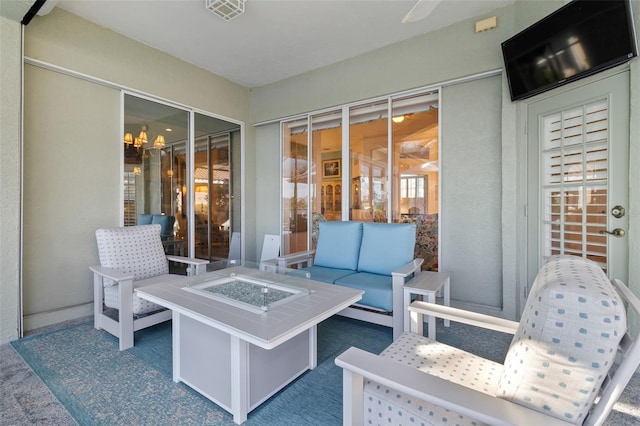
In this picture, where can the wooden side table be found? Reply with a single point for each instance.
(427, 283)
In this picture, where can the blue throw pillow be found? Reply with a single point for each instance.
(165, 222)
(338, 245)
(145, 219)
(386, 247)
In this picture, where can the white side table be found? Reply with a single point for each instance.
(427, 283)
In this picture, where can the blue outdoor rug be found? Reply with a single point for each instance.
(99, 385)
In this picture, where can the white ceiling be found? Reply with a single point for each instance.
(273, 39)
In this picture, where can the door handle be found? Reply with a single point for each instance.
(618, 232)
(618, 212)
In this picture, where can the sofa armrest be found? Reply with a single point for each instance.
(398, 278)
(299, 258)
(408, 268)
(111, 274)
(358, 364)
(196, 265)
(460, 315)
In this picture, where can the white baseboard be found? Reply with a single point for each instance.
(45, 319)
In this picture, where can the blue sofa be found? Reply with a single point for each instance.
(374, 257)
(165, 221)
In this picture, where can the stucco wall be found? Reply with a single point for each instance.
(72, 149)
(10, 88)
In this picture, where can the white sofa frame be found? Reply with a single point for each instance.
(395, 319)
(359, 365)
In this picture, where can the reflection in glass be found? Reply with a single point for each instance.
(368, 149)
(158, 180)
(295, 186)
(326, 172)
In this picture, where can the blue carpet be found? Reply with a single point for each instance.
(99, 385)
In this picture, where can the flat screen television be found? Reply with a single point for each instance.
(579, 39)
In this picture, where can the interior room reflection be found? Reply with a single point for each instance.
(159, 186)
(316, 189)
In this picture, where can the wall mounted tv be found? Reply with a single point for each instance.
(579, 39)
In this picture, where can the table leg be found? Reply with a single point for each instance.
(447, 299)
(239, 379)
(431, 298)
(407, 317)
(175, 337)
(313, 347)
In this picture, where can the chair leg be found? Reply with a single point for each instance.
(352, 398)
(98, 301)
(125, 314)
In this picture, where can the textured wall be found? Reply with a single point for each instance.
(72, 149)
(471, 188)
(10, 59)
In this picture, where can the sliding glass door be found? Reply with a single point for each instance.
(390, 172)
(177, 179)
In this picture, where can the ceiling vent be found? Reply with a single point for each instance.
(226, 9)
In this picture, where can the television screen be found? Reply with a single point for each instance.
(580, 39)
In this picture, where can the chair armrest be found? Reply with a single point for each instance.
(463, 316)
(440, 392)
(196, 266)
(111, 273)
(408, 268)
(187, 260)
(296, 258)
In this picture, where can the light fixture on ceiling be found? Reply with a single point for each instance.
(398, 119)
(143, 135)
(128, 139)
(159, 142)
(226, 9)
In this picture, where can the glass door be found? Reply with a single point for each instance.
(416, 170)
(369, 157)
(155, 140)
(193, 204)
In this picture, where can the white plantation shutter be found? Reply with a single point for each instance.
(575, 173)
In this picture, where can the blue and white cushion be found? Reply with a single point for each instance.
(386, 406)
(566, 341)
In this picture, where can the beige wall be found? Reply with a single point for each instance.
(442, 56)
(72, 149)
(10, 83)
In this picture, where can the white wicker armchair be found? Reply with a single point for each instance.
(559, 368)
(132, 257)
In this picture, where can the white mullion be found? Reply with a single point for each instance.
(310, 197)
(562, 183)
(389, 162)
(584, 180)
(346, 166)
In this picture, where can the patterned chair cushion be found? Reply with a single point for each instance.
(386, 406)
(566, 341)
(140, 305)
(133, 250)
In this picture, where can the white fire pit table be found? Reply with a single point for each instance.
(240, 334)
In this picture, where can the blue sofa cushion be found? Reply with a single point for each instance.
(165, 222)
(338, 245)
(319, 273)
(378, 290)
(145, 219)
(386, 247)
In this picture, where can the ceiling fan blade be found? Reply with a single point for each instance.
(420, 10)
